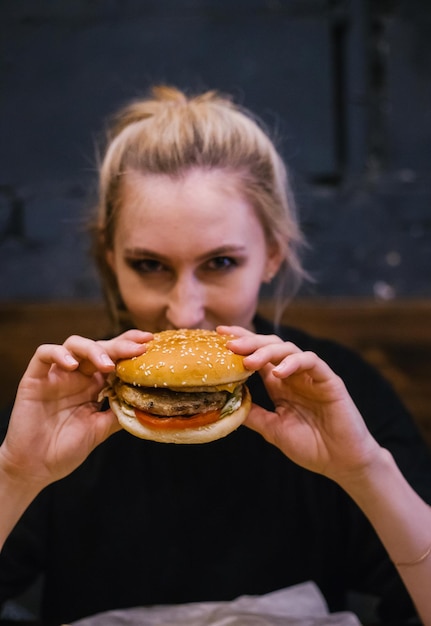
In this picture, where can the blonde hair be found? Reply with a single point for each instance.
(170, 133)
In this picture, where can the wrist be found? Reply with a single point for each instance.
(371, 475)
(17, 491)
(15, 475)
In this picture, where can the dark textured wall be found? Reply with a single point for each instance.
(346, 85)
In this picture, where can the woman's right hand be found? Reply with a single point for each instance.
(56, 420)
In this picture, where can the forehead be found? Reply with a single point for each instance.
(208, 202)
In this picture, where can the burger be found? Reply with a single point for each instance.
(188, 387)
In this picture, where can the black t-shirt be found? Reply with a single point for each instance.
(144, 523)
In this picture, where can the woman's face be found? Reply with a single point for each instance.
(188, 252)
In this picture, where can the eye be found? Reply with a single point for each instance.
(146, 266)
(220, 263)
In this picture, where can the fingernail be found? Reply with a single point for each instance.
(106, 360)
(70, 359)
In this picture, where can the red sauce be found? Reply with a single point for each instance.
(177, 422)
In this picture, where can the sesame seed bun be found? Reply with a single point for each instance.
(183, 359)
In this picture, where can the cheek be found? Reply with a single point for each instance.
(134, 295)
(144, 311)
(238, 303)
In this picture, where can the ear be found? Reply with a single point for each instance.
(273, 262)
(110, 259)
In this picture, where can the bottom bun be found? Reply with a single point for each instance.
(203, 434)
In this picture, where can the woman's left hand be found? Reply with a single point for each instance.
(315, 421)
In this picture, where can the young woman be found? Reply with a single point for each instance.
(194, 215)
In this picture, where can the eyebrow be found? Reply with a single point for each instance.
(220, 251)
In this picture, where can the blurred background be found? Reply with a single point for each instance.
(344, 86)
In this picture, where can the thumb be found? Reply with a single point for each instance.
(107, 425)
(260, 420)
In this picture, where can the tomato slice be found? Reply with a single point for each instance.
(177, 423)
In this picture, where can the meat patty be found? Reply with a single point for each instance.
(167, 402)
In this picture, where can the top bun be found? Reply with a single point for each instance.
(183, 359)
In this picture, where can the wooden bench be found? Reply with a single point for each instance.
(394, 336)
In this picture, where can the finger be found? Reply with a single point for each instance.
(101, 355)
(238, 331)
(90, 354)
(260, 350)
(47, 355)
(300, 362)
(129, 344)
(248, 341)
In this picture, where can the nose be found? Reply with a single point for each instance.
(186, 308)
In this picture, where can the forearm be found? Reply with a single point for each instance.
(403, 522)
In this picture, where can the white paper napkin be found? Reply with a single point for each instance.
(300, 605)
